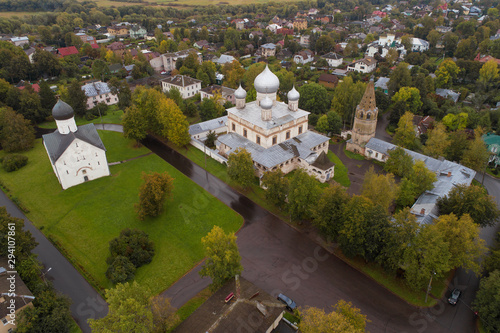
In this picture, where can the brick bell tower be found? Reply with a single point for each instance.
(365, 121)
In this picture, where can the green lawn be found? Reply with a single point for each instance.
(75, 328)
(83, 219)
(113, 116)
(353, 156)
(340, 174)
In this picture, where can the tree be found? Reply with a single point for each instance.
(410, 96)
(49, 313)
(314, 98)
(16, 133)
(399, 162)
(446, 73)
(457, 145)
(47, 98)
(134, 126)
(14, 227)
(346, 97)
(471, 200)
(380, 189)
(120, 270)
(422, 177)
(156, 188)
(164, 314)
(77, 98)
(175, 124)
(328, 212)
(240, 167)
(99, 69)
(437, 142)
(304, 192)
(455, 122)
(276, 185)
(334, 122)
(399, 78)
(364, 228)
(344, 318)
(476, 155)
(251, 73)
(464, 243)
(427, 255)
(29, 105)
(147, 101)
(487, 302)
(405, 133)
(210, 109)
(129, 310)
(223, 258)
(233, 73)
(134, 245)
(322, 124)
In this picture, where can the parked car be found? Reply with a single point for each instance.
(290, 304)
(455, 294)
(163, 72)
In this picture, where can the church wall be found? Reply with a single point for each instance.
(81, 160)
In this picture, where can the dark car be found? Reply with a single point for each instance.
(455, 294)
(290, 304)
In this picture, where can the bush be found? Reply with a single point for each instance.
(133, 244)
(13, 162)
(99, 110)
(120, 270)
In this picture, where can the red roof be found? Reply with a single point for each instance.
(66, 51)
(94, 46)
(35, 87)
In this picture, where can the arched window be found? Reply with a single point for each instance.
(368, 115)
(361, 115)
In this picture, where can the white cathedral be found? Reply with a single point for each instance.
(275, 133)
(76, 153)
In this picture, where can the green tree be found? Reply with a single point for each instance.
(240, 167)
(446, 73)
(251, 73)
(210, 109)
(407, 193)
(175, 124)
(476, 155)
(16, 133)
(133, 244)
(455, 122)
(380, 189)
(77, 98)
(157, 187)
(129, 310)
(233, 73)
(120, 270)
(134, 126)
(399, 163)
(147, 101)
(346, 97)
(487, 302)
(314, 98)
(334, 122)
(276, 185)
(47, 98)
(399, 78)
(14, 227)
(30, 106)
(458, 143)
(472, 200)
(410, 96)
(405, 133)
(99, 69)
(422, 177)
(343, 319)
(303, 194)
(437, 142)
(464, 243)
(329, 210)
(322, 124)
(223, 258)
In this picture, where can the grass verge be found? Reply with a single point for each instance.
(340, 174)
(353, 156)
(74, 328)
(83, 219)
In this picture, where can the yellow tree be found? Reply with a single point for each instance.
(464, 243)
(405, 133)
(438, 141)
(380, 189)
(233, 73)
(489, 72)
(174, 123)
(476, 155)
(446, 73)
(345, 318)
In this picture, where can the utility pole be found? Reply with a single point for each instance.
(429, 287)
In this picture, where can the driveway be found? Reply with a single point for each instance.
(278, 258)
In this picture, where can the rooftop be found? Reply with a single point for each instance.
(20, 290)
(181, 80)
(96, 89)
(208, 125)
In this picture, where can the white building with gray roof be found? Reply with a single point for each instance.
(275, 133)
(76, 154)
(99, 92)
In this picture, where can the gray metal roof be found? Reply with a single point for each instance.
(299, 146)
(57, 143)
(208, 125)
(96, 89)
(382, 83)
(448, 93)
(280, 114)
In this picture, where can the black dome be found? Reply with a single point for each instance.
(62, 111)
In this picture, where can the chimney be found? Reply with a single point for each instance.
(237, 278)
(422, 211)
(449, 173)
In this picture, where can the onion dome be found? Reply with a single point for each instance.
(240, 93)
(293, 95)
(62, 111)
(266, 82)
(266, 103)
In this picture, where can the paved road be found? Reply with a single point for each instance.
(382, 123)
(278, 258)
(86, 302)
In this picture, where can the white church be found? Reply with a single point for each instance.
(76, 153)
(275, 133)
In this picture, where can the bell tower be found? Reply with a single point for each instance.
(365, 121)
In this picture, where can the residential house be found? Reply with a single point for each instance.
(333, 59)
(34, 86)
(273, 27)
(226, 93)
(300, 24)
(448, 93)
(224, 59)
(381, 84)
(365, 65)
(304, 40)
(187, 86)
(303, 57)
(99, 92)
(328, 80)
(492, 142)
(201, 44)
(20, 41)
(200, 131)
(255, 33)
(87, 39)
(422, 124)
(118, 31)
(137, 32)
(419, 45)
(30, 53)
(15, 296)
(284, 31)
(324, 20)
(267, 50)
(66, 51)
(442, 29)
(168, 60)
(313, 12)
(240, 24)
(482, 58)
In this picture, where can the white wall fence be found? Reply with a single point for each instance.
(210, 152)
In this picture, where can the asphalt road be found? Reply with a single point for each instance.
(278, 258)
(86, 302)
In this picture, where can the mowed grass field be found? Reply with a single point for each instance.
(83, 219)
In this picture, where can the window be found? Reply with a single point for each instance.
(300, 129)
(245, 133)
(86, 178)
(275, 140)
(288, 135)
(84, 172)
(4, 321)
(368, 115)
(234, 127)
(258, 140)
